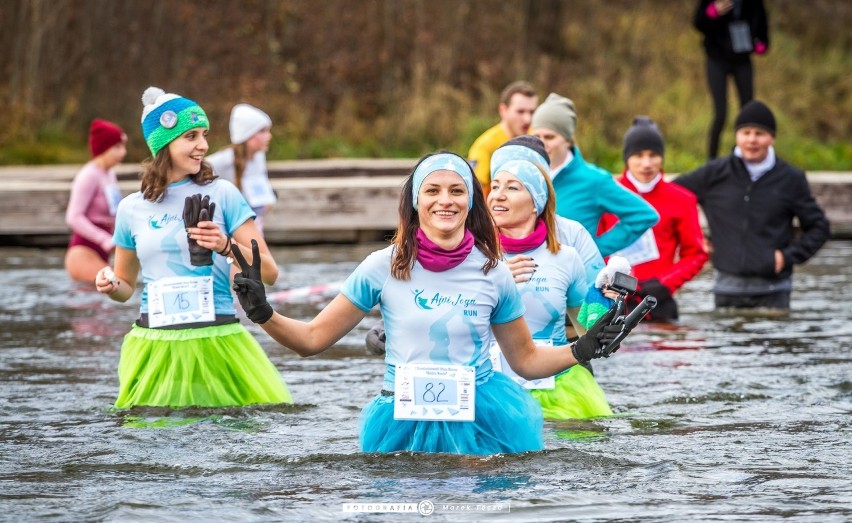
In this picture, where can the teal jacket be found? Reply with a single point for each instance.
(584, 192)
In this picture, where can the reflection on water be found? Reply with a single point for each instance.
(723, 416)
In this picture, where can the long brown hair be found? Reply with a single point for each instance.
(155, 175)
(241, 158)
(479, 222)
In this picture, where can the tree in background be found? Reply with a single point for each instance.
(398, 78)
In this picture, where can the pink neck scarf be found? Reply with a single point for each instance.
(519, 245)
(436, 259)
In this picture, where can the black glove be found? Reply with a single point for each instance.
(197, 209)
(249, 286)
(666, 308)
(375, 339)
(653, 287)
(591, 344)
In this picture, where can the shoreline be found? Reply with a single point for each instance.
(320, 201)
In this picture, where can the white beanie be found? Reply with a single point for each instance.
(246, 120)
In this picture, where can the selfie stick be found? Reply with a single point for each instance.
(630, 322)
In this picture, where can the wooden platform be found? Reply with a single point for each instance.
(319, 201)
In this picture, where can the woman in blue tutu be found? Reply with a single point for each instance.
(523, 205)
(444, 294)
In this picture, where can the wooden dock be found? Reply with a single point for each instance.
(319, 201)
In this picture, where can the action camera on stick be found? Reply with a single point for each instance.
(625, 285)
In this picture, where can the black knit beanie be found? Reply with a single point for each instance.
(643, 135)
(755, 113)
(532, 142)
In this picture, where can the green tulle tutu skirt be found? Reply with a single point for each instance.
(576, 395)
(219, 366)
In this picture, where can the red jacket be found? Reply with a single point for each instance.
(678, 235)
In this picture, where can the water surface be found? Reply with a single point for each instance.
(725, 417)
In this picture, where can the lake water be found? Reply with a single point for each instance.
(725, 417)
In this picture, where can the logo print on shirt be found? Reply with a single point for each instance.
(540, 284)
(438, 299)
(156, 223)
(421, 302)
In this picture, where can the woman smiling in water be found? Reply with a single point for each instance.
(440, 393)
(187, 348)
(522, 203)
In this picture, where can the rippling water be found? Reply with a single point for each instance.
(725, 417)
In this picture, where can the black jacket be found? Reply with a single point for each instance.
(750, 220)
(717, 39)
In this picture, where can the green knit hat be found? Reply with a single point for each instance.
(167, 116)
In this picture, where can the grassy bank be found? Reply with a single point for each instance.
(398, 79)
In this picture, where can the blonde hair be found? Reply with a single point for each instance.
(241, 158)
(548, 214)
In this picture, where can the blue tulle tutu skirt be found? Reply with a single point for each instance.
(507, 419)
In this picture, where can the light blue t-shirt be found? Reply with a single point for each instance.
(436, 317)
(558, 282)
(155, 230)
(573, 234)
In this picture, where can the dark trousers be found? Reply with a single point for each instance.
(717, 80)
(776, 300)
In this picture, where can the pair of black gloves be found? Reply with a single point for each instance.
(247, 283)
(252, 296)
(591, 345)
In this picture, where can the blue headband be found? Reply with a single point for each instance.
(443, 162)
(508, 153)
(532, 178)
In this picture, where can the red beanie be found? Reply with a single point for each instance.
(103, 135)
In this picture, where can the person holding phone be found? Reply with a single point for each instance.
(733, 30)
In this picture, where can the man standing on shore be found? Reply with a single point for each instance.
(750, 199)
(517, 103)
